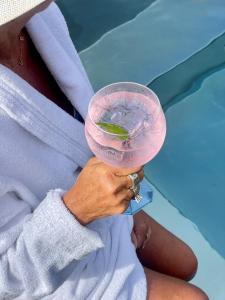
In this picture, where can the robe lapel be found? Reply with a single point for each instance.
(42, 118)
(34, 111)
(61, 58)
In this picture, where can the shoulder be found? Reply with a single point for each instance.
(54, 18)
(55, 22)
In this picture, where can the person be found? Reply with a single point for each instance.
(62, 231)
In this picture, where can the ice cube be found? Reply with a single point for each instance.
(136, 128)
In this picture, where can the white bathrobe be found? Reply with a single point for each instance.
(44, 251)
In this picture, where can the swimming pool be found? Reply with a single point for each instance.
(177, 49)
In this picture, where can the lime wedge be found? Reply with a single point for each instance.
(115, 129)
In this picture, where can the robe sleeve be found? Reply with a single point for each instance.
(38, 245)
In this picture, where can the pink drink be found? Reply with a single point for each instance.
(134, 108)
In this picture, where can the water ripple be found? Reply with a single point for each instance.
(158, 39)
(89, 20)
(190, 169)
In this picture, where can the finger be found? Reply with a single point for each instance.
(125, 195)
(126, 182)
(94, 161)
(123, 207)
(126, 171)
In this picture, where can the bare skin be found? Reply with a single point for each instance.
(163, 287)
(34, 71)
(168, 262)
(165, 253)
(107, 196)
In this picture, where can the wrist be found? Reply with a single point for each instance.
(69, 203)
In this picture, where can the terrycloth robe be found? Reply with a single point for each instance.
(45, 253)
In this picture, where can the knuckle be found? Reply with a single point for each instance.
(118, 198)
(127, 196)
(118, 171)
(100, 173)
(118, 187)
(107, 182)
(110, 187)
(109, 177)
(104, 171)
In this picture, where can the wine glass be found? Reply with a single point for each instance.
(125, 127)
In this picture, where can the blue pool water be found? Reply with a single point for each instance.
(89, 20)
(177, 48)
(191, 159)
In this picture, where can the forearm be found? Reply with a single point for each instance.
(49, 241)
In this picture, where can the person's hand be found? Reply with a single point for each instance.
(141, 231)
(100, 191)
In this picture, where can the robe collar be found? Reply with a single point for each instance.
(37, 114)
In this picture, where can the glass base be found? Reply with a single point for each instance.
(147, 194)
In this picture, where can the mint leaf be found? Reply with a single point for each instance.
(115, 129)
